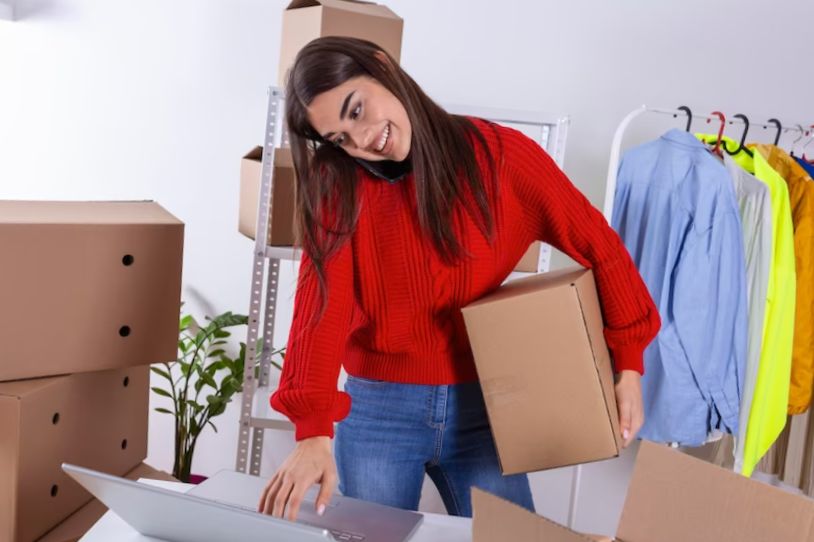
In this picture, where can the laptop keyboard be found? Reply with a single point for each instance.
(339, 535)
(347, 536)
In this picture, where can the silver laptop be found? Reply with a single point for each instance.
(345, 518)
(179, 517)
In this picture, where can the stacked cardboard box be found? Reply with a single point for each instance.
(91, 297)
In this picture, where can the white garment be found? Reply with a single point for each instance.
(755, 202)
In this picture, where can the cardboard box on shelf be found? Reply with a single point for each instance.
(97, 420)
(672, 497)
(81, 521)
(87, 286)
(281, 213)
(530, 262)
(545, 371)
(307, 20)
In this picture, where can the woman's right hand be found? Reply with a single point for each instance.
(310, 463)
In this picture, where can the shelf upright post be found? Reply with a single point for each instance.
(252, 377)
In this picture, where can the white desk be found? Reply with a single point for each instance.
(436, 528)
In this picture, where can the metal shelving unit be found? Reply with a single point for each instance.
(548, 130)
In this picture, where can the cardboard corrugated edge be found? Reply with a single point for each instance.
(589, 301)
(86, 212)
(80, 522)
(9, 451)
(358, 6)
(497, 520)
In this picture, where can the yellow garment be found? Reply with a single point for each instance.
(801, 196)
(767, 417)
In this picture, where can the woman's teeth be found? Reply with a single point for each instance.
(383, 140)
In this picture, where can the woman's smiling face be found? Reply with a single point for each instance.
(363, 118)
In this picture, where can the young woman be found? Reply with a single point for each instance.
(407, 214)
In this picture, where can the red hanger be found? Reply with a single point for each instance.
(717, 148)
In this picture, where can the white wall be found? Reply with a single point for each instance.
(158, 99)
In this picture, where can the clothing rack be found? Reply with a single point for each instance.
(610, 192)
(613, 169)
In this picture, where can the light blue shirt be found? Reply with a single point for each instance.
(676, 211)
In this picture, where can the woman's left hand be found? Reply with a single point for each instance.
(629, 401)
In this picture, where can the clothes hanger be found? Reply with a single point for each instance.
(717, 149)
(689, 115)
(806, 145)
(803, 133)
(779, 130)
(742, 147)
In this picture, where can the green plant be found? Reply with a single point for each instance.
(202, 360)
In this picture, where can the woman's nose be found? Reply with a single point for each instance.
(363, 137)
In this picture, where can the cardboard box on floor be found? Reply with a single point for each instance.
(307, 20)
(87, 286)
(545, 371)
(80, 522)
(97, 420)
(672, 497)
(281, 215)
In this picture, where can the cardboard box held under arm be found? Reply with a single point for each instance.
(87, 286)
(545, 371)
(97, 420)
(672, 497)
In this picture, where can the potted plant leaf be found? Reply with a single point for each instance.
(201, 382)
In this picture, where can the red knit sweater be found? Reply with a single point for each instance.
(393, 310)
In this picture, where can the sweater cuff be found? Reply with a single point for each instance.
(317, 424)
(628, 358)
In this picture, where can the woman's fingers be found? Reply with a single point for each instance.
(281, 500)
(261, 506)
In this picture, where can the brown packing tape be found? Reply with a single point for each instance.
(505, 391)
(81, 521)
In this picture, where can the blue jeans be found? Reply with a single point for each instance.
(397, 432)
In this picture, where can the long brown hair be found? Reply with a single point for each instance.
(444, 161)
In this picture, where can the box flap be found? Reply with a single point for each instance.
(255, 155)
(497, 520)
(85, 212)
(677, 498)
(535, 283)
(23, 388)
(369, 8)
(282, 156)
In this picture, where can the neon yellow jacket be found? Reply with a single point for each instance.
(801, 198)
(767, 417)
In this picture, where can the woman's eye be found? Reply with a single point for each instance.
(340, 140)
(355, 113)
